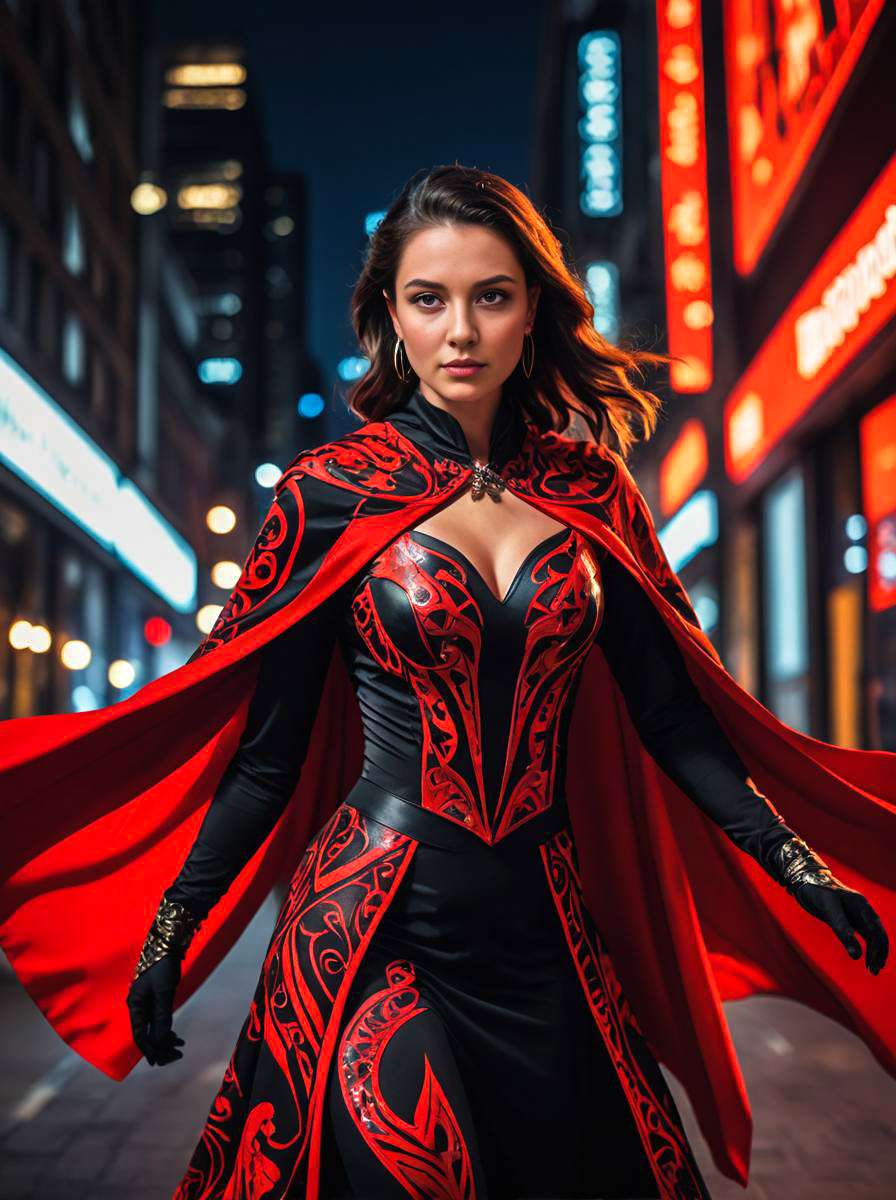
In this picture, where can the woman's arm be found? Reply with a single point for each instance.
(681, 733)
(249, 800)
(675, 723)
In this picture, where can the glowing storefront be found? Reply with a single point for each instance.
(85, 561)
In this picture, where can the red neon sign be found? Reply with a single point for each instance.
(877, 437)
(683, 466)
(849, 297)
(689, 311)
(785, 72)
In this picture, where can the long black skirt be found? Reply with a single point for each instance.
(470, 962)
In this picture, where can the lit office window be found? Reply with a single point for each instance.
(78, 123)
(72, 349)
(213, 97)
(73, 239)
(206, 74)
(786, 601)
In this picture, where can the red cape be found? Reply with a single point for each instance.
(101, 808)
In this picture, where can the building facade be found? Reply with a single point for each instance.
(772, 473)
(98, 550)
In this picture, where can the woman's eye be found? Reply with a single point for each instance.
(431, 296)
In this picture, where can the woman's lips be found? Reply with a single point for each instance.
(462, 372)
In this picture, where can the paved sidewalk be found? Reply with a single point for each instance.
(824, 1111)
(95, 1139)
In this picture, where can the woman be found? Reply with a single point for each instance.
(438, 1013)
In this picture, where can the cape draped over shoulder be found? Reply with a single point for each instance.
(101, 808)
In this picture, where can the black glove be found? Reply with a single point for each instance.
(808, 879)
(150, 998)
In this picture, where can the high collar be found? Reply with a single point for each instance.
(438, 431)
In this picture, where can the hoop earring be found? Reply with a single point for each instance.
(395, 357)
(527, 371)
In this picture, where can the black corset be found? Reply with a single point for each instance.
(465, 698)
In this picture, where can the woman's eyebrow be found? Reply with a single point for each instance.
(482, 282)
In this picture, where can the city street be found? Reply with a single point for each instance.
(824, 1112)
(490, 423)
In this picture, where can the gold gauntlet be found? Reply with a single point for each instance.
(795, 863)
(171, 932)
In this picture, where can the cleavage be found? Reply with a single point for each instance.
(452, 535)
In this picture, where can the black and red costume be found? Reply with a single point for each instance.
(526, 818)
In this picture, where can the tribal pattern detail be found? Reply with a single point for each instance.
(376, 470)
(427, 1155)
(450, 607)
(367, 473)
(376, 460)
(441, 664)
(659, 1125)
(345, 881)
(556, 469)
(563, 617)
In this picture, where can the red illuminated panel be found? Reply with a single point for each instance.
(877, 436)
(689, 312)
(849, 297)
(785, 71)
(683, 466)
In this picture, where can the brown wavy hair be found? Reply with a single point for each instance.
(577, 372)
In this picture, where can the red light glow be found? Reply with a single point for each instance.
(157, 631)
(689, 308)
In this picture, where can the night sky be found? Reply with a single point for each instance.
(359, 96)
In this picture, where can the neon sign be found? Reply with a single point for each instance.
(689, 309)
(43, 446)
(683, 466)
(785, 72)
(848, 298)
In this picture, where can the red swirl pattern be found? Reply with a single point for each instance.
(364, 473)
(562, 616)
(376, 461)
(375, 469)
(554, 468)
(451, 622)
(427, 1155)
(258, 1131)
(562, 620)
(268, 566)
(676, 1171)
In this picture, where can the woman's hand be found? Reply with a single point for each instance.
(847, 912)
(150, 998)
(150, 1002)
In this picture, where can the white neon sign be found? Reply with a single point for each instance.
(824, 327)
(42, 444)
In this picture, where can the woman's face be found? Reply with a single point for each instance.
(460, 293)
